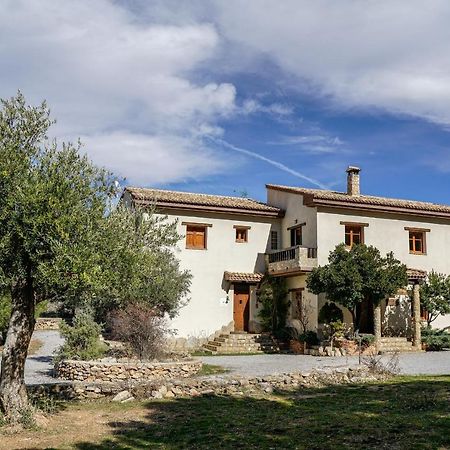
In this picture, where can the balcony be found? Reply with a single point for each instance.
(291, 261)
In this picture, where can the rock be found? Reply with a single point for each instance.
(131, 399)
(121, 396)
(163, 390)
(169, 394)
(157, 394)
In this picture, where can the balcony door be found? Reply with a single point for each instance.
(296, 236)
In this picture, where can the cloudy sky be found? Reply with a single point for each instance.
(225, 96)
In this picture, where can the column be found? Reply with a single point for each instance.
(417, 338)
(377, 326)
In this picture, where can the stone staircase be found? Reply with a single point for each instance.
(396, 344)
(241, 342)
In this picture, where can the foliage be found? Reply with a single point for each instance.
(330, 312)
(141, 329)
(272, 296)
(82, 339)
(367, 339)
(435, 295)
(62, 239)
(5, 314)
(335, 330)
(310, 337)
(435, 340)
(351, 276)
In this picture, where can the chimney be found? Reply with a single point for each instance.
(353, 180)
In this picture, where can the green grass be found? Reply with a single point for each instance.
(210, 369)
(404, 413)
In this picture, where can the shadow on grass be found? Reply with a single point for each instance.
(403, 414)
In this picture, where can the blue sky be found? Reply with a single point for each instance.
(165, 93)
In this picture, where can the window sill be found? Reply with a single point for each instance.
(418, 253)
(195, 248)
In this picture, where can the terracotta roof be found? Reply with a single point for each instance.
(321, 197)
(416, 274)
(187, 200)
(243, 277)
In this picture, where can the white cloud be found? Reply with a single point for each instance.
(117, 82)
(389, 54)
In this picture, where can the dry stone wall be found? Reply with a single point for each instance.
(99, 371)
(47, 323)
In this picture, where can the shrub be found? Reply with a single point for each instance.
(435, 340)
(330, 312)
(82, 340)
(310, 337)
(141, 329)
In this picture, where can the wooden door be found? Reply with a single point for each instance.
(241, 310)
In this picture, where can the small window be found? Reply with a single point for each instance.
(417, 242)
(274, 240)
(196, 237)
(296, 236)
(241, 234)
(353, 235)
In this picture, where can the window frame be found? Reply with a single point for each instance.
(354, 225)
(273, 238)
(412, 238)
(293, 232)
(244, 229)
(197, 226)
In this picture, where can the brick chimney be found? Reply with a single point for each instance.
(353, 180)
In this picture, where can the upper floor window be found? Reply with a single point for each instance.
(273, 240)
(417, 240)
(354, 233)
(241, 233)
(196, 235)
(296, 235)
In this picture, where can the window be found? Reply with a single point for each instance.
(196, 235)
(417, 240)
(273, 240)
(242, 234)
(296, 236)
(354, 233)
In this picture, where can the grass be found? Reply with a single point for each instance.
(404, 413)
(210, 369)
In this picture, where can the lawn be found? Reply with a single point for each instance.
(404, 413)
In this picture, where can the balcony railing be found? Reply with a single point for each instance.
(291, 260)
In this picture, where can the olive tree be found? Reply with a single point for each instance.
(358, 275)
(62, 239)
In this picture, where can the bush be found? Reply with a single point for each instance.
(274, 305)
(435, 340)
(141, 329)
(310, 337)
(82, 340)
(5, 314)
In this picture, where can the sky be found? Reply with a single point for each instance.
(225, 96)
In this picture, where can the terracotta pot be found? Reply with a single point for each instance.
(297, 347)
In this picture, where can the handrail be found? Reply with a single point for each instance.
(291, 253)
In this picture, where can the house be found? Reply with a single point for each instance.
(230, 242)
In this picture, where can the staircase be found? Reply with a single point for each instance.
(241, 342)
(396, 344)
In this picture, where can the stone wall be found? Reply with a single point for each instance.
(47, 323)
(217, 385)
(99, 371)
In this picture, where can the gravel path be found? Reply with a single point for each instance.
(432, 363)
(38, 367)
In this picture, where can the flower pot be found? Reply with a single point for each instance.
(297, 347)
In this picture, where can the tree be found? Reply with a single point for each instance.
(274, 304)
(61, 239)
(435, 295)
(358, 275)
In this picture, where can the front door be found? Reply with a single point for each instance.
(241, 310)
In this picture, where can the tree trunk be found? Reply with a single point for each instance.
(377, 326)
(13, 394)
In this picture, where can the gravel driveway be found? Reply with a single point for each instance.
(39, 367)
(431, 363)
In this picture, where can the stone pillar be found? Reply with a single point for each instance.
(417, 338)
(377, 326)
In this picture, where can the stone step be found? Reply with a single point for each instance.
(394, 339)
(239, 342)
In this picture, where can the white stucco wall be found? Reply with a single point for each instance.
(387, 233)
(210, 307)
(295, 213)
